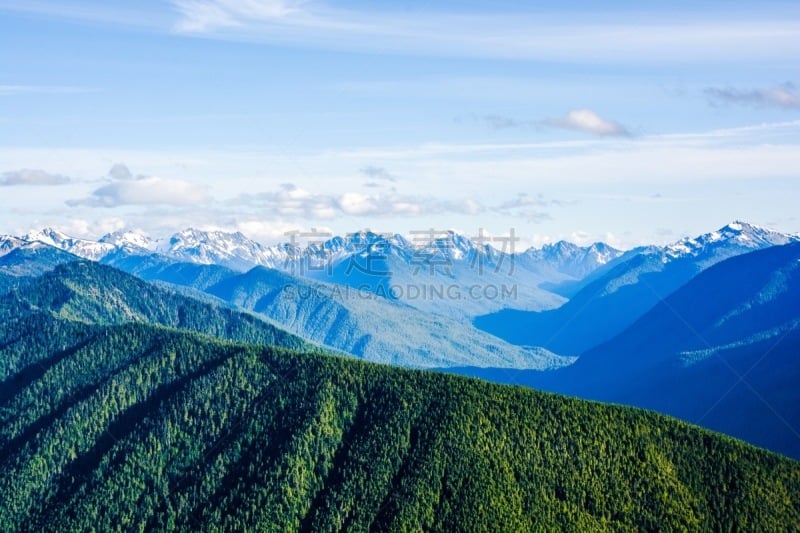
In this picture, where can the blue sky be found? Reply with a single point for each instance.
(630, 124)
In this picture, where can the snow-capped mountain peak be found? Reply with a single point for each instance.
(9, 243)
(129, 240)
(84, 248)
(458, 245)
(49, 236)
(737, 234)
(571, 259)
(602, 253)
(230, 249)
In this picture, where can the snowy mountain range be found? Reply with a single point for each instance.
(613, 296)
(571, 259)
(234, 250)
(442, 272)
(387, 264)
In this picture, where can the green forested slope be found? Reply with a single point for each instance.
(88, 292)
(138, 427)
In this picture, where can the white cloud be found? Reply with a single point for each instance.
(28, 176)
(125, 189)
(293, 201)
(353, 203)
(786, 96)
(588, 121)
(89, 229)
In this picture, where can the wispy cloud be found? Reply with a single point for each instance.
(208, 15)
(654, 35)
(588, 121)
(785, 96)
(528, 207)
(640, 36)
(499, 122)
(126, 189)
(584, 120)
(378, 173)
(28, 176)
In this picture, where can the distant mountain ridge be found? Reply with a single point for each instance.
(357, 322)
(234, 249)
(614, 299)
(576, 261)
(347, 321)
(387, 264)
(446, 273)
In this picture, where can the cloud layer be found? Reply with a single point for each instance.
(293, 201)
(653, 35)
(28, 176)
(786, 96)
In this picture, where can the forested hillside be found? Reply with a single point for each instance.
(139, 427)
(92, 293)
(27, 262)
(721, 351)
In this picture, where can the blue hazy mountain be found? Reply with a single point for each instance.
(357, 322)
(610, 303)
(570, 287)
(450, 275)
(723, 351)
(371, 327)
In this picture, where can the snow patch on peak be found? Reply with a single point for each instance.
(736, 235)
(129, 240)
(9, 243)
(49, 236)
(573, 260)
(735, 226)
(229, 249)
(92, 250)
